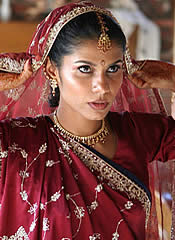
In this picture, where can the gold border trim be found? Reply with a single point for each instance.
(11, 65)
(117, 180)
(75, 12)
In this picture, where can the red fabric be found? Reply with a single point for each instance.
(30, 99)
(20, 101)
(28, 172)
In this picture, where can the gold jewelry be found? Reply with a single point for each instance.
(104, 42)
(90, 140)
(130, 66)
(53, 82)
(61, 22)
(54, 85)
(172, 97)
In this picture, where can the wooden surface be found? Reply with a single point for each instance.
(16, 36)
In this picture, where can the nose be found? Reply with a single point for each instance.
(100, 84)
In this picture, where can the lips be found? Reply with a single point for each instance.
(98, 105)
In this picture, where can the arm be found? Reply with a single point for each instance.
(13, 80)
(154, 74)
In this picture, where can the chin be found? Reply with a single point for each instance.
(98, 116)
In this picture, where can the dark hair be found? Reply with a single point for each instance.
(85, 26)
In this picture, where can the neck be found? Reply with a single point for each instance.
(77, 124)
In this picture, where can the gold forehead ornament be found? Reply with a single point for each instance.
(104, 42)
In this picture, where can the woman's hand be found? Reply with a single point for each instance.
(154, 74)
(13, 80)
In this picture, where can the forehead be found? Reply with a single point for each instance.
(88, 50)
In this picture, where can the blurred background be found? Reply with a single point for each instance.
(149, 26)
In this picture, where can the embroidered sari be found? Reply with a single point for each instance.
(56, 188)
(61, 189)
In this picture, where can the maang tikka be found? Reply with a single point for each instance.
(104, 42)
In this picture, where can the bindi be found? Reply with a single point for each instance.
(103, 62)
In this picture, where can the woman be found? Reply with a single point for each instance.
(82, 171)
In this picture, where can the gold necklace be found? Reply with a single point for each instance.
(90, 140)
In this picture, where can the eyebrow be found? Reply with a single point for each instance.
(118, 61)
(88, 62)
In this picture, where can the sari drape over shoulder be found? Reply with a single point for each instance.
(53, 188)
(56, 188)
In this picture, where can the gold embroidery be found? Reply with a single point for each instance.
(116, 234)
(31, 112)
(130, 66)
(115, 179)
(4, 108)
(11, 65)
(45, 225)
(24, 194)
(14, 93)
(44, 93)
(95, 236)
(3, 154)
(19, 235)
(53, 198)
(50, 163)
(64, 149)
(127, 206)
(17, 123)
(94, 204)
(61, 23)
(79, 211)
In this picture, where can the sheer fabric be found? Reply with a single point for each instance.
(31, 98)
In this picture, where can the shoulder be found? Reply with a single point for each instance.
(23, 122)
(142, 120)
(23, 129)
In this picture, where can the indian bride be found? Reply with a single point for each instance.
(77, 131)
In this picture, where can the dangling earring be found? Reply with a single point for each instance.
(54, 85)
(53, 82)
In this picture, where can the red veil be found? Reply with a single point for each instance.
(31, 98)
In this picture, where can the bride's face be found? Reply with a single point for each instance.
(90, 79)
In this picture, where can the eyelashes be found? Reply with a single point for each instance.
(88, 69)
(114, 68)
(85, 69)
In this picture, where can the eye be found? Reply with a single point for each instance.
(84, 69)
(113, 69)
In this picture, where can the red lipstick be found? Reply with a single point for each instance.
(98, 105)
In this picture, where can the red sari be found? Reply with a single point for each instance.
(18, 102)
(55, 188)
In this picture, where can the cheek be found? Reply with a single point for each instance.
(117, 82)
(73, 86)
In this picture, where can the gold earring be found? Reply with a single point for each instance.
(54, 85)
(53, 82)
